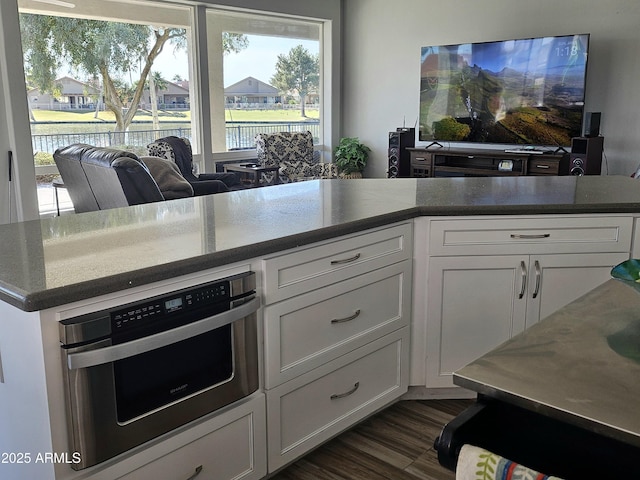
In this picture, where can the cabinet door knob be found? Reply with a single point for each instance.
(346, 394)
(355, 315)
(346, 260)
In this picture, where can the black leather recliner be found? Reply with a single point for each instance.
(100, 178)
(178, 150)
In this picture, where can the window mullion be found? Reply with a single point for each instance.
(201, 102)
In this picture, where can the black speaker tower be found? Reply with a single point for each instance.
(591, 124)
(586, 155)
(399, 157)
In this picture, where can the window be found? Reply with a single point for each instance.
(74, 106)
(220, 100)
(246, 95)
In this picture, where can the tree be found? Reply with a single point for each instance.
(155, 84)
(105, 49)
(95, 47)
(299, 72)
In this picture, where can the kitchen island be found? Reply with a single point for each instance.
(59, 260)
(56, 269)
(564, 393)
(579, 365)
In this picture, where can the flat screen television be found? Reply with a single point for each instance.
(523, 92)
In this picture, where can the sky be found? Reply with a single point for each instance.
(257, 61)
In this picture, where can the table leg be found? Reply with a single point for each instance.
(55, 192)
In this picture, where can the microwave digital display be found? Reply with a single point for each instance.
(173, 304)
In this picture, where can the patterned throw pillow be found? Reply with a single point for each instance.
(162, 149)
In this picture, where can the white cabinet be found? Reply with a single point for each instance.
(336, 336)
(566, 278)
(515, 271)
(312, 408)
(476, 303)
(306, 331)
(307, 268)
(472, 306)
(536, 234)
(231, 447)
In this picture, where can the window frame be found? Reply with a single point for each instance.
(327, 14)
(210, 97)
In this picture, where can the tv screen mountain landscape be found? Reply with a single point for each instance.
(528, 91)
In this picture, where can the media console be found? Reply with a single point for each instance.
(476, 162)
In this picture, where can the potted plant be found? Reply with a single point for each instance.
(350, 156)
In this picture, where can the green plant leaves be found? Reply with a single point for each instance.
(351, 155)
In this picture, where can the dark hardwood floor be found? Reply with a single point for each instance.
(395, 444)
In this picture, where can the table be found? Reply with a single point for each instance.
(254, 171)
(56, 184)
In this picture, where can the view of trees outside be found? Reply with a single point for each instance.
(96, 49)
(299, 71)
(117, 61)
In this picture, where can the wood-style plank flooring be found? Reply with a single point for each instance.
(394, 444)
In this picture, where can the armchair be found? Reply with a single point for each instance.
(293, 153)
(178, 150)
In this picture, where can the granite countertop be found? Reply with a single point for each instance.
(45, 263)
(580, 365)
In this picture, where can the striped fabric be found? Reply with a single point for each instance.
(476, 463)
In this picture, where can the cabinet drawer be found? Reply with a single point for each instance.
(421, 160)
(314, 407)
(540, 166)
(306, 331)
(421, 165)
(574, 234)
(232, 447)
(306, 269)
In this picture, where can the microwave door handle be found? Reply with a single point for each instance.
(145, 344)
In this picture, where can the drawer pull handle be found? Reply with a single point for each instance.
(538, 275)
(346, 394)
(523, 236)
(346, 260)
(523, 273)
(196, 473)
(355, 315)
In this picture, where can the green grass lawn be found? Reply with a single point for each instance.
(275, 115)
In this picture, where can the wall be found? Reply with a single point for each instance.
(381, 61)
